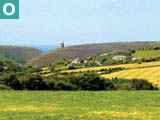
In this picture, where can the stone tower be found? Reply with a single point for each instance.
(62, 44)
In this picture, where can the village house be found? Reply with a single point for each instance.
(119, 57)
(85, 61)
(136, 58)
(104, 54)
(76, 61)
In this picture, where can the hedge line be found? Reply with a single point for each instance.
(82, 81)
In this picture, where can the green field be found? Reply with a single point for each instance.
(122, 105)
(147, 54)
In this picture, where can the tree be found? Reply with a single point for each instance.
(1, 66)
(91, 81)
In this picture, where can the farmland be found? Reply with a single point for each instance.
(147, 54)
(148, 71)
(126, 66)
(41, 105)
(152, 74)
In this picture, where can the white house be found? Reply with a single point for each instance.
(119, 57)
(85, 61)
(136, 58)
(76, 61)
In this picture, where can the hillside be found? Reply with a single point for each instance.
(19, 54)
(7, 65)
(3, 59)
(77, 51)
(7, 61)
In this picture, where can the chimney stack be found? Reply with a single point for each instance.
(62, 44)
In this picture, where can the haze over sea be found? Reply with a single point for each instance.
(44, 48)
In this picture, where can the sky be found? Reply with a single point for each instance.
(49, 22)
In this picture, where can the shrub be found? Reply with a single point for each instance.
(142, 85)
(91, 81)
(10, 79)
(110, 70)
(1, 66)
(62, 85)
(33, 82)
(122, 84)
(132, 51)
(52, 68)
(156, 48)
(4, 87)
(135, 84)
(71, 67)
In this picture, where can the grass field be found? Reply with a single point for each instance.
(147, 54)
(121, 105)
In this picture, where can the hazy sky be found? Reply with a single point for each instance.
(82, 21)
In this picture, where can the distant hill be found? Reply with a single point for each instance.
(77, 51)
(19, 54)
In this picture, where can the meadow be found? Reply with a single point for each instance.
(83, 105)
(147, 54)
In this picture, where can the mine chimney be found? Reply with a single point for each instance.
(62, 44)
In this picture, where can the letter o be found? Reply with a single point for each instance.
(5, 9)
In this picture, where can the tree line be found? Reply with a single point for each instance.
(70, 82)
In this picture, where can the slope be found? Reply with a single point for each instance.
(77, 51)
(19, 54)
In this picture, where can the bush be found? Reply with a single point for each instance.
(132, 51)
(52, 68)
(142, 85)
(122, 52)
(1, 66)
(10, 79)
(134, 84)
(4, 87)
(110, 70)
(91, 81)
(62, 85)
(71, 67)
(121, 84)
(32, 82)
(50, 84)
(156, 48)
